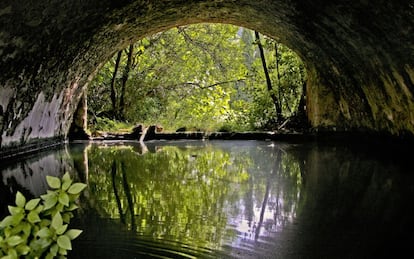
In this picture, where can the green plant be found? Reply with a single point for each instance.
(38, 228)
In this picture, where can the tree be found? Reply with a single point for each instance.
(190, 76)
(276, 100)
(125, 76)
(113, 93)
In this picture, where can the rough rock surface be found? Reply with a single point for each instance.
(359, 56)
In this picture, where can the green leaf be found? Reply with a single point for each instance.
(49, 195)
(20, 200)
(72, 207)
(7, 221)
(63, 251)
(66, 184)
(67, 216)
(14, 240)
(23, 249)
(33, 217)
(66, 177)
(57, 221)
(27, 229)
(54, 250)
(15, 210)
(39, 208)
(76, 188)
(59, 207)
(45, 223)
(62, 229)
(64, 198)
(11, 254)
(50, 201)
(31, 205)
(53, 182)
(44, 233)
(64, 242)
(73, 233)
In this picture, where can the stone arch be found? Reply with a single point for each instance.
(359, 56)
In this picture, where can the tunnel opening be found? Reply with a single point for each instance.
(200, 77)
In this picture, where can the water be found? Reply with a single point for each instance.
(229, 199)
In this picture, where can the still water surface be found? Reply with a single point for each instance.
(229, 199)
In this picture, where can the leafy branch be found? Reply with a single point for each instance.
(38, 228)
(198, 85)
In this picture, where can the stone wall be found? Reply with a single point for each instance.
(359, 56)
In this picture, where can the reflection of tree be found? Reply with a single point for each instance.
(264, 204)
(128, 193)
(277, 168)
(173, 194)
(190, 193)
(274, 191)
(117, 198)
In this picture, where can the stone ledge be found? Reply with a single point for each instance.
(29, 148)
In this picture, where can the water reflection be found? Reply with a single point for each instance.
(202, 194)
(229, 199)
(29, 175)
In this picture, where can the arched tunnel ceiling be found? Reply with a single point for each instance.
(359, 56)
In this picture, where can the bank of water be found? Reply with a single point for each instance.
(229, 199)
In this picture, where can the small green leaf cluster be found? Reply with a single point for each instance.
(38, 228)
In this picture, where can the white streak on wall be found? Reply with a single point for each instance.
(6, 93)
(41, 122)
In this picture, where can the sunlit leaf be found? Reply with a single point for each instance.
(15, 210)
(62, 229)
(50, 202)
(66, 184)
(23, 249)
(64, 198)
(63, 251)
(44, 233)
(64, 242)
(11, 254)
(73, 233)
(7, 221)
(14, 240)
(76, 188)
(66, 177)
(72, 207)
(45, 223)
(57, 221)
(31, 205)
(33, 217)
(53, 182)
(54, 250)
(20, 200)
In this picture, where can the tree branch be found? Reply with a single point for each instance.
(198, 85)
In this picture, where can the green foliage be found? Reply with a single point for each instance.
(38, 228)
(109, 125)
(202, 76)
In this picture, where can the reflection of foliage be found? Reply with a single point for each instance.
(174, 191)
(36, 228)
(187, 194)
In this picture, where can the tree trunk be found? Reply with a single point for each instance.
(279, 85)
(302, 105)
(124, 82)
(113, 93)
(268, 81)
